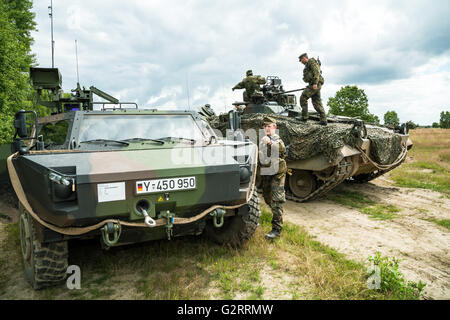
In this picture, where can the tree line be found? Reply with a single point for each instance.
(351, 101)
(16, 24)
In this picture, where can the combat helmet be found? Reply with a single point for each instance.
(302, 55)
(249, 73)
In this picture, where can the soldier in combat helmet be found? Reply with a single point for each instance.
(272, 175)
(251, 85)
(313, 76)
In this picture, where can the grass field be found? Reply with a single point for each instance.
(428, 165)
(293, 267)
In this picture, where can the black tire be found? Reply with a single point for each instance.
(45, 264)
(237, 229)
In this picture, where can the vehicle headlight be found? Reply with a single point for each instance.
(244, 174)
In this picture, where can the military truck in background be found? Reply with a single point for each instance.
(319, 158)
(124, 175)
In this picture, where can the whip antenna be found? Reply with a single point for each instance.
(187, 91)
(50, 14)
(76, 57)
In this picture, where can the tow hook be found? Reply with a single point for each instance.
(218, 217)
(169, 226)
(111, 228)
(148, 220)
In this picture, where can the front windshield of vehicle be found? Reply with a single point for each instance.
(122, 127)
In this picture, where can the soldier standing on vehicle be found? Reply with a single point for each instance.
(251, 85)
(313, 76)
(272, 174)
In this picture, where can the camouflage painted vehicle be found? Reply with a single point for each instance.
(319, 158)
(126, 176)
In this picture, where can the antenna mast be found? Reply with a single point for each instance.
(76, 56)
(50, 14)
(187, 86)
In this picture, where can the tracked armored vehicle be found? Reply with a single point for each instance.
(123, 175)
(319, 158)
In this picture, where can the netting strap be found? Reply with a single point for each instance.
(383, 167)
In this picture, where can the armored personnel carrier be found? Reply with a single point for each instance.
(319, 158)
(124, 175)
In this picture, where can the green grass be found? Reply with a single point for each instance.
(393, 282)
(350, 199)
(193, 268)
(12, 229)
(421, 180)
(421, 210)
(359, 201)
(442, 222)
(428, 166)
(381, 211)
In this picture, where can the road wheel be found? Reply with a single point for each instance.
(302, 183)
(45, 264)
(237, 229)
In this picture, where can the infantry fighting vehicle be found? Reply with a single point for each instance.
(125, 175)
(320, 157)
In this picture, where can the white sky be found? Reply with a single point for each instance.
(148, 51)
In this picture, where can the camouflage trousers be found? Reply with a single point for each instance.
(309, 92)
(273, 192)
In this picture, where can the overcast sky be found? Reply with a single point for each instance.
(151, 52)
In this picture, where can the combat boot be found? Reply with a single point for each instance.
(324, 123)
(273, 234)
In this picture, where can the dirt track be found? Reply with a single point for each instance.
(422, 245)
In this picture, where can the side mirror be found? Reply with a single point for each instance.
(20, 124)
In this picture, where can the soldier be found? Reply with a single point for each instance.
(251, 85)
(272, 148)
(313, 76)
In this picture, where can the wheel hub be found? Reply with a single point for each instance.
(302, 183)
(25, 237)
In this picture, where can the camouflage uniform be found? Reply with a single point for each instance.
(251, 85)
(273, 185)
(312, 75)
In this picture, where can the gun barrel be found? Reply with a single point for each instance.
(291, 91)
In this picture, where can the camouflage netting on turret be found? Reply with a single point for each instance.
(306, 140)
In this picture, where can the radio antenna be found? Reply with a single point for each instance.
(76, 56)
(50, 14)
(187, 91)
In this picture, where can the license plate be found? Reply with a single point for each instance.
(162, 185)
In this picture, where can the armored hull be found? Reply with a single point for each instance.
(319, 158)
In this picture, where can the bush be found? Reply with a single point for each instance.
(392, 280)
